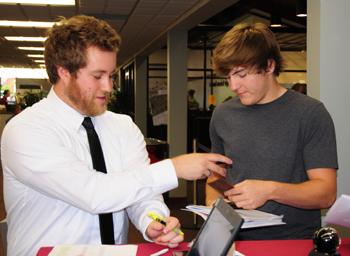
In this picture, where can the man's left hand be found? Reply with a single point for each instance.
(165, 235)
(250, 194)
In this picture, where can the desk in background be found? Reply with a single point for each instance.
(4, 117)
(248, 248)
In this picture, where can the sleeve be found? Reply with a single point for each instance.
(320, 149)
(37, 157)
(135, 156)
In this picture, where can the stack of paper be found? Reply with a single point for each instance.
(255, 218)
(94, 250)
(252, 218)
(339, 213)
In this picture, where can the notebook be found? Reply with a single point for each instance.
(218, 232)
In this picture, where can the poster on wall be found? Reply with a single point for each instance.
(158, 102)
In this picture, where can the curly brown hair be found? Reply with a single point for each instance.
(248, 45)
(68, 40)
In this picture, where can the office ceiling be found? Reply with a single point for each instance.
(143, 23)
(291, 36)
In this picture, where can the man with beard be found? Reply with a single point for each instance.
(53, 193)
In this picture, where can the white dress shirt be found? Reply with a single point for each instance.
(52, 193)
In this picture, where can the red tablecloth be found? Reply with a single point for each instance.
(248, 248)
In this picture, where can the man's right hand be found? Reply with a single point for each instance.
(199, 165)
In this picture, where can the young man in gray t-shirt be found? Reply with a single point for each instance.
(282, 143)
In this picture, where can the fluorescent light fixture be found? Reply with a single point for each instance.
(39, 61)
(276, 25)
(39, 2)
(25, 38)
(302, 15)
(42, 66)
(275, 20)
(31, 24)
(37, 73)
(28, 48)
(35, 55)
(301, 9)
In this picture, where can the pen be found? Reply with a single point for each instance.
(161, 252)
(161, 220)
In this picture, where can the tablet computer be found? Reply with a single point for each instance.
(218, 232)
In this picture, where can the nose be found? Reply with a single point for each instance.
(233, 83)
(107, 84)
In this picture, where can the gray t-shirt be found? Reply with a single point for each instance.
(276, 141)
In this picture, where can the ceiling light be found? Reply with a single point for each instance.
(39, 61)
(35, 55)
(15, 23)
(28, 48)
(25, 38)
(39, 2)
(301, 8)
(38, 73)
(275, 21)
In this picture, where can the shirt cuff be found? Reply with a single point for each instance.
(164, 174)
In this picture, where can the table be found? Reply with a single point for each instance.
(248, 248)
(142, 250)
(284, 247)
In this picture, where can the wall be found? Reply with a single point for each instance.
(43, 83)
(293, 60)
(328, 68)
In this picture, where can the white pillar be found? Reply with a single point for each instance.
(177, 98)
(328, 56)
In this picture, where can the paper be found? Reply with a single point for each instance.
(237, 253)
(255, 218)
(339, 213)
(252, 218)
(94, 250)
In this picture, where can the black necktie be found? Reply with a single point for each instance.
(106, 219)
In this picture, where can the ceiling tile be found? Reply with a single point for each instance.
(123, 7)
(11, 12)
(92, 6)
(143, 23)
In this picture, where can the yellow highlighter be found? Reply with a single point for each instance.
(156, 217)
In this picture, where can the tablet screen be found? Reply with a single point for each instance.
(218, 231)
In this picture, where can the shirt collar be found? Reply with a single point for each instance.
(67, 114)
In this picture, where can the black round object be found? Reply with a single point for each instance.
(326, 240)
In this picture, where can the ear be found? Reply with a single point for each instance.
(271, 65)
(63, 74)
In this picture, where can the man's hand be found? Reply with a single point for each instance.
(200, 165)
(250, 194)
(165, 235)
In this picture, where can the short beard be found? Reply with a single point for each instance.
(84, 107)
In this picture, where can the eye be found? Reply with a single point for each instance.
(97, 77)
(241, 73)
